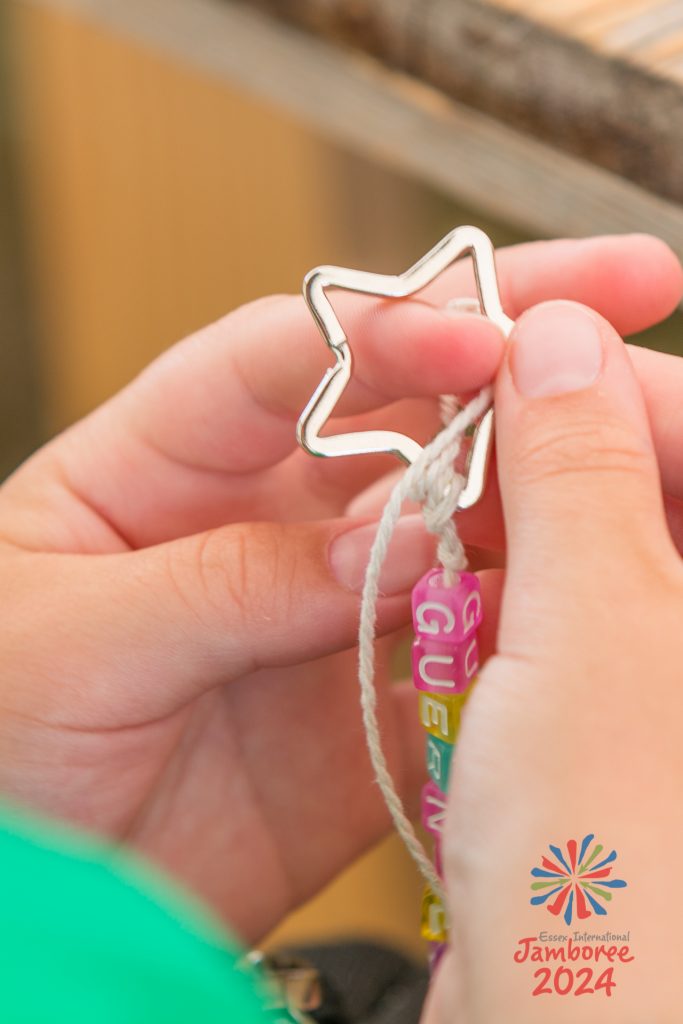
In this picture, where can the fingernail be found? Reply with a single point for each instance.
(462, 306)
(556, 348)
(411, 554)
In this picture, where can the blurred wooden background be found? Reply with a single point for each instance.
(156, 199)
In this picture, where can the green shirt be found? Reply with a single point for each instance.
(89, 934)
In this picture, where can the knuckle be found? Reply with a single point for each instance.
(589, 449)
(230, 577)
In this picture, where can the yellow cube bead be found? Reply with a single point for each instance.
(441, 715)
(434, 927)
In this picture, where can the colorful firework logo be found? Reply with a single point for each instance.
(576, 883)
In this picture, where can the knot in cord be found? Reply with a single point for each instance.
(437, 489)
(434, 483)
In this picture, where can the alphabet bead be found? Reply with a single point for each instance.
(439, 756)
(440, 715)
(445, 659)
(448, 614)
(441, 668)
(433, 809)
(435, 951)
(434, 927)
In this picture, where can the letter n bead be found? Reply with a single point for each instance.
(446, 614)
(433, 809)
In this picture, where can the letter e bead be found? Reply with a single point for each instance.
(440, 715)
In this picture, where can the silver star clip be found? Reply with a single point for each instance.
(458, 243)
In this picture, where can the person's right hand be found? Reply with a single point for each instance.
(575, 727)
(660, 376)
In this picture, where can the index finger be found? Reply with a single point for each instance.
(156, 461)
(255, 370)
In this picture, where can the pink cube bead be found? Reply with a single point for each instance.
(436, 951)
(433, 809)
(446, 614)
(444, 668)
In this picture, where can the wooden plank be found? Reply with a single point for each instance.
(393, 118)
(609, 17)
(584, 18)
(673, 65)
(661, 51)
(652, 24)
(609, 111)
(622, 117)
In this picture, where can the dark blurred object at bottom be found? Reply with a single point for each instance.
(362, 983)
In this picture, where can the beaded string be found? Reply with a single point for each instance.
(434, 483)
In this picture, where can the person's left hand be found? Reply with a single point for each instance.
(180, 582)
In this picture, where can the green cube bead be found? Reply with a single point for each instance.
(439, 755)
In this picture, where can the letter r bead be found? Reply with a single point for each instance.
(433, 809)
(439, 756)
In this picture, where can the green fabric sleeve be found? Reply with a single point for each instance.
(89, 934)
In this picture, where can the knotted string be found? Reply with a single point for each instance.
(435, 484)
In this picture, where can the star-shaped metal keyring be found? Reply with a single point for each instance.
(458, 243)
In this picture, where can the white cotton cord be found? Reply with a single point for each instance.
(433, 482)
(449, 407)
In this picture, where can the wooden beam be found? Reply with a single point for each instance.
(357, 102)
(587, 100)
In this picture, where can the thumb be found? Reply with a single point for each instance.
(578, 474)
(164, 624)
